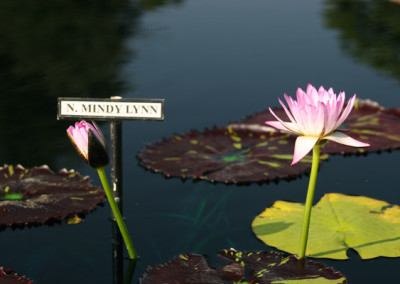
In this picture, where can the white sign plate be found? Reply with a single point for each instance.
(111, 109)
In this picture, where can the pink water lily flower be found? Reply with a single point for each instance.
(315, 116)
(90, 143)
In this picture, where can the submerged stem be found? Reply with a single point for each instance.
(309, 201)
(117, 214)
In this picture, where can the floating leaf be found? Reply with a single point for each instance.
(37, 195)
(235, 154)
(338, 222)
(368, 122)
(241, 267)
(6, 278)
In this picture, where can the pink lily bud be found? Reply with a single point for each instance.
(315, 116)
(90, 143)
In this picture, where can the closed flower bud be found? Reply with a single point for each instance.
(90, 143)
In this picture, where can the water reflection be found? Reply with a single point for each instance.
(369, 31)
(154, 4)
(118, 260)
(64, 48)
(53, 49)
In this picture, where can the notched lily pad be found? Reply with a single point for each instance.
(37, 195)
(368, 122)
(338, 222)
(7, 278)
(241, 267)
(234, 154)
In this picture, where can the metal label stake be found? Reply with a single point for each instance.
(114, 110)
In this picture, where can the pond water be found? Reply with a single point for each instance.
(214, 62)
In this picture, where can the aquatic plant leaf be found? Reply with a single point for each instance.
(241, 267)
(7, 278)
(338, 222)
(368, 122)
(373, 124)
(39, 195)
(234, 154)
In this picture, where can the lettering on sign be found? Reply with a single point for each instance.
(110, 109)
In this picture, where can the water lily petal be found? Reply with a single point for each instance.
(287, 111)
(96, 130)
(301, 97)
(341, 138)
(79, 140)
(296, 113)
(289, 126)
(302, 147)
(279, 125)
(320, 118)
(346, 111)
(312, 94)
(334, 109)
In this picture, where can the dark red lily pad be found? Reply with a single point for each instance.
(373, 124)
(6, 278)
(37, 195)
(240, 267)
(368, 122)
(238, 153)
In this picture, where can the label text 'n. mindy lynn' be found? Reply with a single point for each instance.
(151, 109)
(112, 108)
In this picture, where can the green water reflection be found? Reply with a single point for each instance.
(51, 49)
(149, 5)
(369, 31)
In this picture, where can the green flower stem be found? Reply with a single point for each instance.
(309, 201)
(117, 214)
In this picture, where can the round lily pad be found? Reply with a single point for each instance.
(338, 222)
(241, 267)
(368, 122)
(235, 154)
(37, 195)
(371, 123)
(6, 278)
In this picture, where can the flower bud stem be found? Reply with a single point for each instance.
(117, 214)
(309, 201)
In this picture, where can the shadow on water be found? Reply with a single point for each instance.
(369, 31)
(56, 49)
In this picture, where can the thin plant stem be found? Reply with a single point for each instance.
(309, 201)
(117, 214)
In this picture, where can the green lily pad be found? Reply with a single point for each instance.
(7, 278)
(38, 195)
(338, 222)
(241, 267)
(235, 154)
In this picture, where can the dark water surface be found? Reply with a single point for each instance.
(214, 62)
